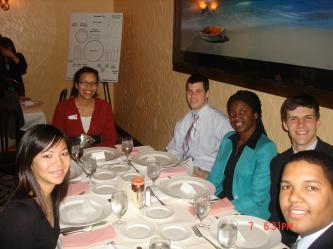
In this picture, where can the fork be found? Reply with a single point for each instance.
(153, 194)
(129, 162)
(199, 234)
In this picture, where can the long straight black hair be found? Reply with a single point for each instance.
(34, 141)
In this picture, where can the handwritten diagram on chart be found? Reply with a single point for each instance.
(95, 41)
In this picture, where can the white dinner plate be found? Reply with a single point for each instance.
(110, 153)
(127, 177)
(81, 210)
(118, 167)
(158, 212)
(74, 171)
(254, 232)
(165, 159)
(103, 189)
(104, 175)
(138, 231)
(185, 186)
(175, 232)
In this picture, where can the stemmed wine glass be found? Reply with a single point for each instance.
(127, 146)
(227, 233)
(159, 243)
(119, 205)
(89, 166)
(201, 206)
(153, 171)
(77, 153)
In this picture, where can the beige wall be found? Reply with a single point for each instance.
(149, 97)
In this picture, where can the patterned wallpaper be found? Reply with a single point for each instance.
(149, 97)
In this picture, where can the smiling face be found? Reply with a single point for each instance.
(87, 86)
(196, 96)
(51, 165)
(306, 197)
(242, 118)
(302, 126)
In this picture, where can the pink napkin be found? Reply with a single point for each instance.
(78, 188)
(133, 153)
(87, 238)
(217, 207)
(174, 171)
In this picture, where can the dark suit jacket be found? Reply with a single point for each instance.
(276, 167)
(325, 241)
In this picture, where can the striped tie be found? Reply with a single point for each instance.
(189, 136)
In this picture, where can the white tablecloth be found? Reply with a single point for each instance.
(33, 116)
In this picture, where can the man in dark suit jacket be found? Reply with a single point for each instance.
(300, 118)
(306, 198)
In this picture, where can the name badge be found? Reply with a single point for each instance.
(72, 117)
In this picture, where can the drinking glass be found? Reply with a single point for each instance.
(201, 206)
(227, 233)
(153, 171)
(89, 166)
(119, 205)
(127, 146)
(77, 153)
(159, 243)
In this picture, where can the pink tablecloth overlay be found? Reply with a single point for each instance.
(87, 238)
(174, 171)
(218, 207)
(78, 188)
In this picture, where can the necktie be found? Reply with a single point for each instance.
(189, 136)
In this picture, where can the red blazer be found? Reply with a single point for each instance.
(67, 118)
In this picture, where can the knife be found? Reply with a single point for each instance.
(131, 164)
(74, 229)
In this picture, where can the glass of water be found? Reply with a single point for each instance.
(201, 206)
(89, 166)
(227, 233)
(153, 171)
(77, 153)
(159, 243)
(119, 205)
(127, 146)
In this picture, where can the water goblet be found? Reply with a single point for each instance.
(89, 166)
(127, 146)
(119, 205)
(159, 243)
(201, 206)
(77, 153)
(153, 171)
(227, 233)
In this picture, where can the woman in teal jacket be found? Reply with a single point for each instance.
(241, 169)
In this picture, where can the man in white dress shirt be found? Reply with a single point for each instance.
(199, 133)
(306, 199)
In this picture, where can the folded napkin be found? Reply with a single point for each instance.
(87, 238)
(174, 171)
(78, 188)
(134, 151)
(220, 206)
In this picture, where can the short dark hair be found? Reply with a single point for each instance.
(303, 100)
(7, 43)
(35, 140)
(252, 100)
(198, 78)
(77, 76)
(317, 157)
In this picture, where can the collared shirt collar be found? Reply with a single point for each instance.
(306, 241)
(251, 142)
(201, 110)
(310, 147)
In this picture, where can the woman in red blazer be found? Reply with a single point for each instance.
(85, 113)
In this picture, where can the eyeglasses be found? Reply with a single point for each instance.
(87, 83)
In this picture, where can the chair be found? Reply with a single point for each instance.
(63, 95)
(9, 136)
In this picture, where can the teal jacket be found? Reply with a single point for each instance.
(251, 182)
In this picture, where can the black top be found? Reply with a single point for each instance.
(23, 225)
(276, 170)
(233, 159)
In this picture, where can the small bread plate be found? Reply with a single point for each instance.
(175, 232)
(117, 167)
(104, 175)
(103, 189)
(252, 232)
(79, 210)
(165, 159)
(138, 231)
(158, 212)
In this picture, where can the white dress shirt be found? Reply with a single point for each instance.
(306, 241)
(211, 127)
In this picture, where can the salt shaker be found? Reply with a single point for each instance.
(138, 187)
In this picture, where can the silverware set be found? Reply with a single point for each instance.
(69, 230)
(199, 234)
